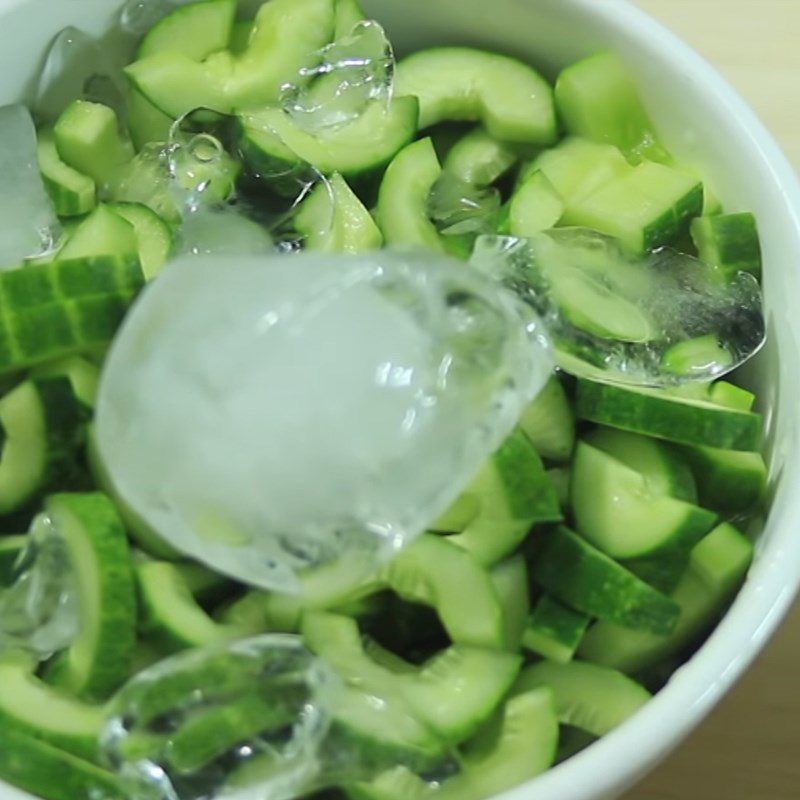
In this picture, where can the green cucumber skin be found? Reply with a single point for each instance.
(554, 630)
(729, 242)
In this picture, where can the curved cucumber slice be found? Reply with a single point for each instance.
(348, 14)
(72, 192)
(479, 158)
(729, 242)
(153, 236)
(588, 696)
(554, 630)
(99, 659)
(535, 206)
(146, 123)
(511, 99)
(510, 580)
(549, 422)
(102, 233)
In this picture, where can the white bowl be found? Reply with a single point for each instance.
(705, 123)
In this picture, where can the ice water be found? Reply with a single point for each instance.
(272, 415)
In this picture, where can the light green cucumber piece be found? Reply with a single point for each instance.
(207, 587)
(578, 574)
(83, 376)
(102, 233)
(512, 101)
(398, 783)
(153, 235)
(195, 30)
(561, 478)
(645, 208)
(549, 422)
(72, 192)
(32, 707)
(729, 395)
(348, 13)
(272, 143)
(87, 139)
(170, 615)
(99, 659)
(697, 356)
(47, 771)
(334, 220)
(240, 36)
(434, 571)
(667, 415)
(535, 206)
(729, 242)
(498, 509)
(510, 580)
(146, 123)
(597, 98)
(592, 697)
(717, 566)
(480, 159)
(554, 630)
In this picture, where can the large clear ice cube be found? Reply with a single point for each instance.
(271, 415)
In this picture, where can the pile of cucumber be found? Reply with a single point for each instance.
(593, 553)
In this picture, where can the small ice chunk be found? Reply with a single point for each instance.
(222, 231)
(29, 226)
(38, 608)
(458, 207)
(657, 320)
(270, 415)
(342, 80)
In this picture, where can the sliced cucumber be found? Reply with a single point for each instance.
(479, 158)
(208, 588)
(102, 233)
(554, 630)
(348, 14)
(72, 192)
(99, 659)
(668, 416)
(728, 241)
(83, 376)
(146, 123)
(561, 478)
(240, 36)
(549, 422)
(510, 581)
(535, 206)
(588, 696)
(153, 235)
(701, 353)
(584, 578)
(399, 783)
(511, 99)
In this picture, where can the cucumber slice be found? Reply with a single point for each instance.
(207, 587)
(11, 546)
(554, 631)
(561, 478)
(334, 220)
(624, 515)
(72, 192)
(240, 36)
(146, 123)
(434, 572)
(646, 208)
(399, 783)
(31, 707)
(510, 581)
(83, 376)
(479, 158)
(87, 139)
(153, 235)
(698, 354)
(587, 696)
(497, 511)
(403, 199)
(170, 616)
(47, 771)
(598, 99)
(668, 416)
(99, 659)
(195, 30)
(584, 578)
(273, 144)
(728, 241)
(102, 233)
(535, 206)
(512, 101)
(549, 422)
(348, 14)
(717, 567)
(729, 395)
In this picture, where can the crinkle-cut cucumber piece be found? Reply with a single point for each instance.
(47, 771)
(72, 192)
(348, 13)
(512, 101)
(592, 697)
(403, 198)
(286, 35)
(717, 566)
(535, 206)
(153, 235)
(510, 580)
(332, 219)
(435, 572)
(83, 376)
(549, 422)
(480, 159)
(554, 630)
(11, 545)
(729, 242)
(102, 233)
(99, 659)
(668, 415)
(645, 208)
(508, 497)
(597, 98)
(196, 30)
(87, 138)
(272, 143)
(619, 511)
(32, 707)
(170, 615)
(586, 579)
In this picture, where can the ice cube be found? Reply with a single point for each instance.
(222, 231)
(657, 320)
(270, 415)
(458, 207)
(139, 16)
(28, 222)
(344, 77)
(77, 66)
(38, 608)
